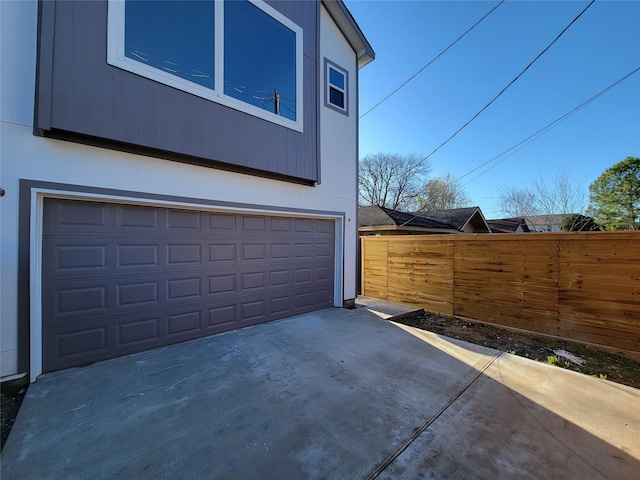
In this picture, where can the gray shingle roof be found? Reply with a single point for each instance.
(374, 216)
(449, 221)
(507, 225)
(455, 218)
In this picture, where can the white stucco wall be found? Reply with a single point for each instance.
(25, 156)
(338, 140)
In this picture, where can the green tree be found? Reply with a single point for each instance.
(615, 196)
(442, 193)
(579, 223)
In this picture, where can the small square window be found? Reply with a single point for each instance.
(337, 83)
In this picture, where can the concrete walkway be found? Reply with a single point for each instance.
(335, 394)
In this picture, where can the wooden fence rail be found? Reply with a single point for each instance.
(578, 286)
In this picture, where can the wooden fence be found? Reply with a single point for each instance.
(578, 286)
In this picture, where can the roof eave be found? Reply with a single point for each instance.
(478, 213)
(350, 29)
(405, 228)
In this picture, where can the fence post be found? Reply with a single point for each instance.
(558, 242)
(453, 277)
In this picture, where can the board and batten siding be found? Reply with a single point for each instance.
(79, 93)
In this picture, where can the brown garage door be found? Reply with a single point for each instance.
(119, 279)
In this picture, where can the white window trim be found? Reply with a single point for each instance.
(116, 57)
(328, 64)
(38, 194)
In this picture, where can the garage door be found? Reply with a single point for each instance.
(119, 279)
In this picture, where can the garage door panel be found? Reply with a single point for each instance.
(223, 284)
(222, 223)
(303, 225)
(252, 252)
(138, 216)
(182, 219)
(184, 253)
(325, 226)
(279, 278)
(324, 274)
(138, 255)
(253, 311)
(91, 341)
(279, 305)
(252, 281)
(81, 299)
(119, 279)
(138, 294)
(183, 288)
(221, 317)
(280, 224)
(140, 332)
(75, 256)
(252, 224)
(222, 252)
(81, 257)
(181, 323)
(323, 250)
(280, 251)
(70, 216)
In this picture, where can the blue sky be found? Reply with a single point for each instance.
(600, 48)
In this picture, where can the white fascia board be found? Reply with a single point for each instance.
(350, 29)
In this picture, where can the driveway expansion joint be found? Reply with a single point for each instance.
(390, 459)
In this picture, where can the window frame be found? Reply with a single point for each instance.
(116, 57)
(328, 65)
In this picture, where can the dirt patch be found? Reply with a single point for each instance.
(569, 355)
(12, 393)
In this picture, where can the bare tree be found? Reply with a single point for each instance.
(442, 193)
(391, 180)
(559, 196)
(517, 202)
(562, 196)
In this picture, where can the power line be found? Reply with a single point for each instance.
(432, 60)
(511, 82)
(544, 129)
(539, 133)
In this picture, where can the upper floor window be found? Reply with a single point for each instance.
(241, 53)
(336, 84)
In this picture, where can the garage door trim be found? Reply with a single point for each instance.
(38, 194)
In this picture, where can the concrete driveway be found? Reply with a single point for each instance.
(334, 394)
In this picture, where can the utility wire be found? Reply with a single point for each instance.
(511, 82)
(432, 60)
(544, 129)
(536, 135)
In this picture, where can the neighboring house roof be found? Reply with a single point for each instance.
(546, 223)
(508, 225)
(459, 220)
(350, 29)
(469, 219)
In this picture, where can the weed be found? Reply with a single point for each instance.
(552, 360)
